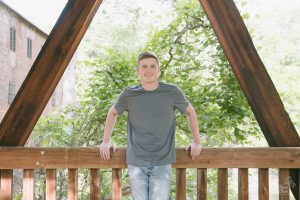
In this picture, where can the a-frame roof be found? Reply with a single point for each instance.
(231, 32)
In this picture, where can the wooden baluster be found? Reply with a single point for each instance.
(222, 184)
(263, 184)
(50, 184)
(94, 184)
(117, 184)
(73, 184)
(181, 184)
(243, 184)
(6, 184)
(284, 184)
(28, 184)
(298, 184)
(201, 184)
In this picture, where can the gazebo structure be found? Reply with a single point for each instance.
(252, 76)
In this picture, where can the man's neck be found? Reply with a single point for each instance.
(150, 86)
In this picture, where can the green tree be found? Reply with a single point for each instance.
(190, 57)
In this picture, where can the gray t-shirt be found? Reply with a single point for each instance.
(151, 123)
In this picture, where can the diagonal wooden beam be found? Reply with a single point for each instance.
(46, 71)
(252, 75)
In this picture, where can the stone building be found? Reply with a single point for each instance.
(20, 43)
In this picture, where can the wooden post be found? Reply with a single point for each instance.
(263, 184)
(46, 72)
(51, 184)
(73, 184)
(284, 184)
(201, 184)
(28, 184)
(181, 184)
(94, 184)
(243, 184)
(6, 184)
(116, 184)
(252, 76)
(223, 184)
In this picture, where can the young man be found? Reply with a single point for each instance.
(150, 130)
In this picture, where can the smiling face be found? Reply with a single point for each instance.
(148, 70)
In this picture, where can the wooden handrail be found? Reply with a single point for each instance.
(52, 159)
(86, 157)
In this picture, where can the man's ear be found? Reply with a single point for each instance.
(137, 68)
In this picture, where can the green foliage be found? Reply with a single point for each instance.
(191, 57)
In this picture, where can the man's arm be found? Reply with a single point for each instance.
(108, 128)
(193, 122)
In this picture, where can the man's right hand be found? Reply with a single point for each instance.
(105, 150)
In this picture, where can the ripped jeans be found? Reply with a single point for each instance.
(150, 183)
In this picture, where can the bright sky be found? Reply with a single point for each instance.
(44, 13)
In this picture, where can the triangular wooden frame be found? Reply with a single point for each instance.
(232, 34)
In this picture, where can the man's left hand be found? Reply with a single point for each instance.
(195, 150)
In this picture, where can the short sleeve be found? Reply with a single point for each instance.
(120, 104)
(181, 102)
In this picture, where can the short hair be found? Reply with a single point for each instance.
(147, 54)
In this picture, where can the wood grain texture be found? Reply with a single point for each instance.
(72, 184)
(180, 184)
(116, 184)
(252, 76)
(84, 157)
(201, 184)
(46, 72)
(284, 184)
(251, 73)
(263, 184)
(222, 184)
(51, 184)
(243, 183)
(28, 184)
(6, 184)
(94, 184)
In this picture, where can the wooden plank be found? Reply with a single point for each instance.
(46, 72)
(72, 184)
(181, 184)
(243, 184)
(86, 157)
(263, 184)
(94, 184)
(222, 184)
(284, 184)
(201, 184)
(50, 184)
(28, 184)
(6, 184)
(251, 73)
(116, 184)
(252, 76)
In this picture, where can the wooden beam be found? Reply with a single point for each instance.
(251, 73)
(252, 76)
(82, 157)
(46, 72)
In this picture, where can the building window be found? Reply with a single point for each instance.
(11, 92)
(13, 39)
(29, 48)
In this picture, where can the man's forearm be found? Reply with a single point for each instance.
(109, 124)
(193, 122)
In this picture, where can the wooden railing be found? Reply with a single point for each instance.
(73, 159)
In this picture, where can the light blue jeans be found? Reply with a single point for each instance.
(150, 183)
